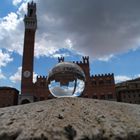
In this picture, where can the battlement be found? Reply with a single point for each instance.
(41, 78)
(77, 62)
(31, 9)
(103, 75)
(30, 19)
(102, 79)
(85, 60)
(61, 59)
(31, 5)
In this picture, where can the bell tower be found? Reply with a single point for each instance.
(30, 22)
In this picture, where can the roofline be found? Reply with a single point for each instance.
(8, 88)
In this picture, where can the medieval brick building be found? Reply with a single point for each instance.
(128, 91)
(8, 96)
(97, 86)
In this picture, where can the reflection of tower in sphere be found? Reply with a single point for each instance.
(66, 79)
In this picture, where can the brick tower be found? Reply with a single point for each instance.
(30, 21)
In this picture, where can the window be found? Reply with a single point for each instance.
(94, 96)
(134, 95)
(31, 12)
(86, 96)
(124, 96)
(129, 96)
(138, 85)
(25, 101)
(108, 81)
(42, 84)
(42, 98)
(102, 97)
(101, 82)
(94, 83)
(109, 96)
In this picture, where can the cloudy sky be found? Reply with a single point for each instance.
(106, 30)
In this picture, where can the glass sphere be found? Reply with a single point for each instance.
(66, 79)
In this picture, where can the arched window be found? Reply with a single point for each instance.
(25, 101)
(31, 12)
(101, 82)
(94, 97)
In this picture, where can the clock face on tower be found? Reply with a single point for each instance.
(27, 73)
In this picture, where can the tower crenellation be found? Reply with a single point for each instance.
(102, 75)
(30, 19)
(107, 78)
(31, 5)
(41, 78)
(85, 59)
(61, 59)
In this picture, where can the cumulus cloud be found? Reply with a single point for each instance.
(16, 77)
(9, 22)
(67, 90)
(45, 46)
(12, 29)
(56, 55)
(2, 76)
(34, 77)
(106, 58)
(11, 37)
(96, 28)
(15, 2)
(5, 58)
(121, 78)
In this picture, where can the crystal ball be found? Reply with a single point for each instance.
(66, 79)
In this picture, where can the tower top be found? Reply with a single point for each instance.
(85, 59)
(60, 59)
(31, 3)
(31, 9)
(30, 18)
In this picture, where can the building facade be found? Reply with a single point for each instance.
(8, 96)
(129, 91)
(97, 86)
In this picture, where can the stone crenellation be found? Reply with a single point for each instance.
(102, 75)
(31, 5)
(85, 60)
(60, 59)
(39, 77)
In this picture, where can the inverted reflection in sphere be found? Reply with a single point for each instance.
(66, 79)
